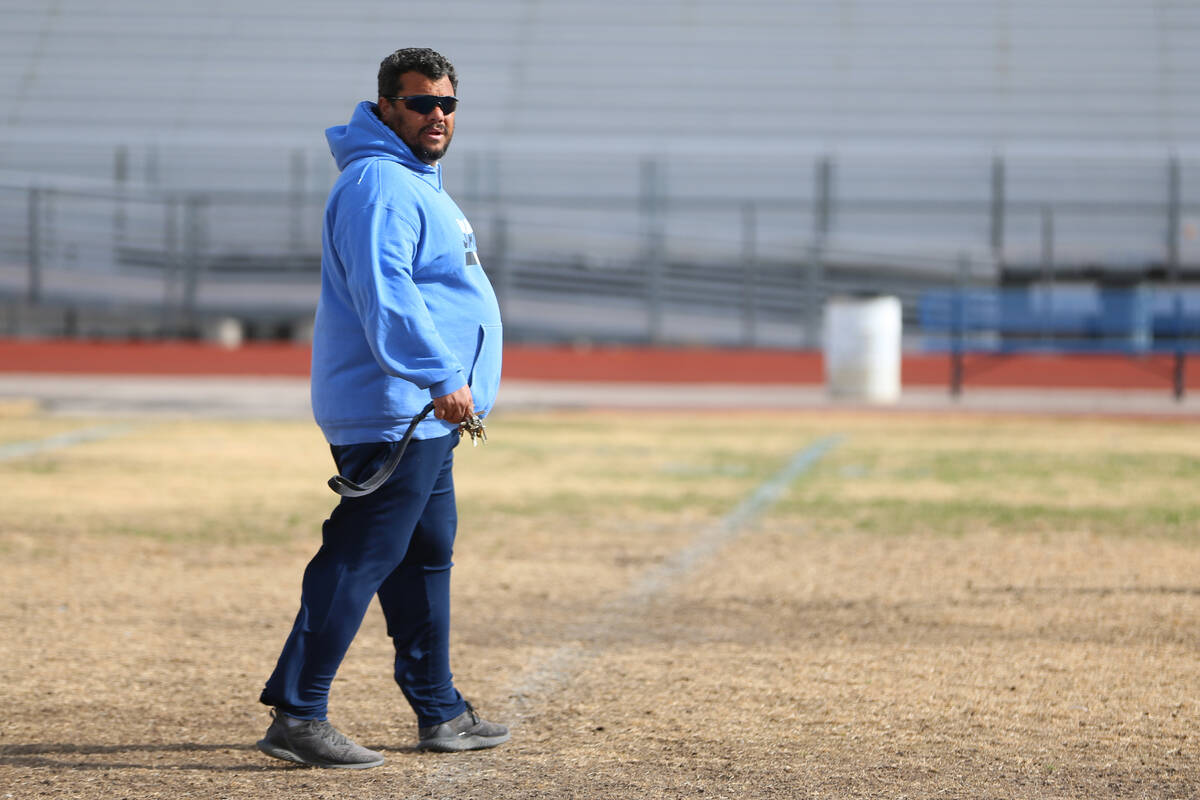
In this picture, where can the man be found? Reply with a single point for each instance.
(406, 315)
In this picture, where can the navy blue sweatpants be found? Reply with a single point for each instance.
(396, 543)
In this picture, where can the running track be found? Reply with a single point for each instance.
(644, 365)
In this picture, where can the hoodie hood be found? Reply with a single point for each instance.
(366, 136)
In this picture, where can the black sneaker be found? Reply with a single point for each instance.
(314, 742)
(465, 732)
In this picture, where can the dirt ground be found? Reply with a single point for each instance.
(649, 621)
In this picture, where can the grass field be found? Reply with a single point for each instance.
(934, 606)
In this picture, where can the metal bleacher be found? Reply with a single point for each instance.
(683, 170)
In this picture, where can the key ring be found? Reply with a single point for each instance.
(473, 425)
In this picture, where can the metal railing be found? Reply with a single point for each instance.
(649, 264)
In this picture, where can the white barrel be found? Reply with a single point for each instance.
(862, 348)
(228, 332)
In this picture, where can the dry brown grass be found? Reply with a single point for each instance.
(942, 607)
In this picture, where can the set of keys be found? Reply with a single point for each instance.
(474, 426)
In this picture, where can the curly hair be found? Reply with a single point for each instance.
(431, 64)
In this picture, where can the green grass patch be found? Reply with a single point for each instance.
(1107, 478)
(892, 475)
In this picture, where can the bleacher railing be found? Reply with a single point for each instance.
(668, 260)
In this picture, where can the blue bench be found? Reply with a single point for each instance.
(1060, 319)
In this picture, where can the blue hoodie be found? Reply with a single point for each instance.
(406, 312)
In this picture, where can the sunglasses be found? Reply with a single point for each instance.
(425, 103)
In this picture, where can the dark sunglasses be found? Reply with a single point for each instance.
(424, 103)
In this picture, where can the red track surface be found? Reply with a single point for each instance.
(683, 365)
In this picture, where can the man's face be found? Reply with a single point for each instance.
(427, 135)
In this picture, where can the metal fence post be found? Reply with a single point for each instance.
(652, 203)
(172, 267)
(1174, 221)
(998, 201)
(34, 287)
(1047, 313)
(823, 210)
(958, 325)
(120, 213)
(749, 273)
(812, 295)
(193, 246)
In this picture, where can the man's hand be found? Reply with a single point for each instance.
(455, 407)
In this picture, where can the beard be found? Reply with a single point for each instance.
(429, 154)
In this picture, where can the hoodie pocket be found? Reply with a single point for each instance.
(485, 372)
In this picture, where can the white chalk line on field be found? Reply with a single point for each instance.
(15, 450)
(556, 669)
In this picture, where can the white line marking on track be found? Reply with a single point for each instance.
(555, 669)
(708, 541)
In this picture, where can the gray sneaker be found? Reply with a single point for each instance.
(314, 742)
(465, 732)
